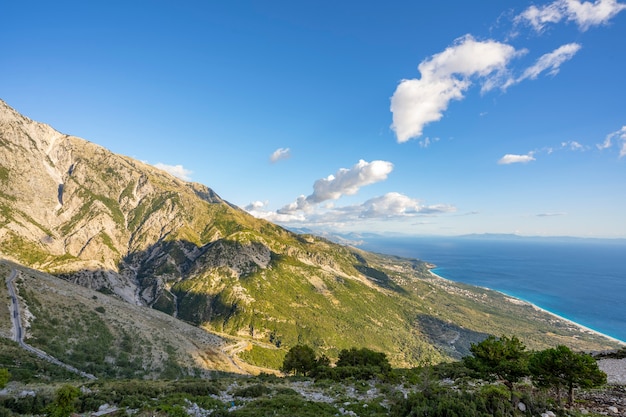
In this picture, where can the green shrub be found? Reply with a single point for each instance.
(285, 406)
(252, 391)
(5, 376)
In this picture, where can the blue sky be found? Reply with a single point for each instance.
(440, 119)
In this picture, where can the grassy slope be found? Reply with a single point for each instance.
(400, 308)
(108, 337)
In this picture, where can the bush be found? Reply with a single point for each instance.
(252, 391)
(285, 406)
(448, 403)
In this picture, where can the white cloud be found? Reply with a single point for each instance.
(619, 137)
(587, 14)
(392, 205)
(445, 77)
(255, 205)
(175, 170)
(389, 206)
(573, 146)
(280, 153)
(584, 13)
(515, 159)
(551, 61)
(346, 181)
(258, 210)
(539, 17)
(427, 142)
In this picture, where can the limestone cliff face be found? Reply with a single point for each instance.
(103, 220)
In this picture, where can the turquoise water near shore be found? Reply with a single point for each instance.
(582, 280)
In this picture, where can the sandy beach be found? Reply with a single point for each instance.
(518, 300)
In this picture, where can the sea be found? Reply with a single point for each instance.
(582, 280)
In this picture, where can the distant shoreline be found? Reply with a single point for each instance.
(580, 326)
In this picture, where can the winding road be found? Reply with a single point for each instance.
(18, 330)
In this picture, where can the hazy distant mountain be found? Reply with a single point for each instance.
(113, 224)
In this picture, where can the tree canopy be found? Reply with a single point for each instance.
(560, 367)
(364, 357)
(500, 358)
(300, 360)
(64, 401)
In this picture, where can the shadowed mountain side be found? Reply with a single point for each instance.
(450, 338)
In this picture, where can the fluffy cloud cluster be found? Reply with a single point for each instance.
(346, 181)
(618, 137)
(584, 13)
(445, 77)
(280, 153)
(175, 170)
(387, 207)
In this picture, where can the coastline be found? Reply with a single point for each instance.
(582, 327)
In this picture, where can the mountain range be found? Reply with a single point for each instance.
(81, 218)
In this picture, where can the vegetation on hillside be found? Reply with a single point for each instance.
(347, 388)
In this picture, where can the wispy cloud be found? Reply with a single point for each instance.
(280, 153)
(346, 181)
(445, 77)
(516, 159)
(584, 13)
(426, 142)
(551, 214)
(175, 170)
(573, 145)
(618, 137)
(550, 62)
(570, 145)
